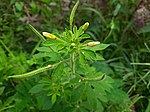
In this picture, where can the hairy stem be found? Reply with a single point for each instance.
(72, 57)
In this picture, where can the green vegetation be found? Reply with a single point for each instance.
(94, 60)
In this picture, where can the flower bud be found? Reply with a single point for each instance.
(73, 44)
(85, 26)
(46, 34)
(92, 43)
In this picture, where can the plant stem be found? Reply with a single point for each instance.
(37, 33)
(7, 48)
(72, 56)
(8, 107)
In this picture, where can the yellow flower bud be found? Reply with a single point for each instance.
(46, 34)
(92, 43)
(85, 26)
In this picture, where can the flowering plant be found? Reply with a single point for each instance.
(71, 84)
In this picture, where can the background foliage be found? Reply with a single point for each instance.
(122, 23)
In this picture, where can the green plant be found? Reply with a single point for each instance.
(127, 51)
(9, 64)
(71, 83)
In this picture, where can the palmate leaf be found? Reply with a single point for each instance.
(44, 102)
(87, 98)
(100, 107)
(100, 92)
(91, 98)
(77, 94)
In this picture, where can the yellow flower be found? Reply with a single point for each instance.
(92, 43)
(46, 34)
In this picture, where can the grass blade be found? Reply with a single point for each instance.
(96, 12)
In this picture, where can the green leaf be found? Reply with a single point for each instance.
(145, 29)
(82, 58)
(60, 47)
(52, 55)
(99, 57)
(116, 11)
(67, 35)
(77, 93)
(95, 77)
(44, 102)
(51, 43)
(80, 31)
(46, 1)
(84, 36)
(37, 88)
(54, 97)
(2, 90)
(96, 12)
(58, 70)
(118, 96)
(100, 107)
(3, 56)
(100, 91)
(75, 31)
(91, 98)
(148, 106)
(98, 47)
(44, 49)
(90, 55)
(19, 6)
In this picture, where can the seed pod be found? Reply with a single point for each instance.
(46, 34)
(92, 43)
(85, 26)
